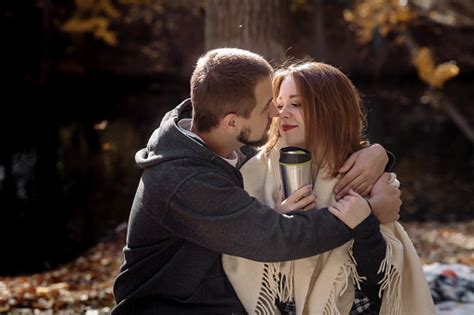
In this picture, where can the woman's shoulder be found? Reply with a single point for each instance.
(259, 160)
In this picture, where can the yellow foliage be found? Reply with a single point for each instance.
(297, 5)
(85, 5)
(96, 7)
(108, 8)
(93, 16)
(107, 36)
(76, 25)
(348, 16)
(387, 15)
(429, 72)
(136, 2)
(394, 15)
(97, 25)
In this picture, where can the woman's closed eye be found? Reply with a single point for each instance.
(280, 106)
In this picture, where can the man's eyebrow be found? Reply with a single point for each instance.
(266, 105)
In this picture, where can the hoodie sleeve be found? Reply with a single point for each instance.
(391, 162)
(211, 211)
(369, 250)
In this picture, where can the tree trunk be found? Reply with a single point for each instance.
(318, 24)
(257, 25)
(45, 41)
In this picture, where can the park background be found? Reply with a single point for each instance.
(85, 82)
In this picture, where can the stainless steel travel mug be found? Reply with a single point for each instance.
(295, 169)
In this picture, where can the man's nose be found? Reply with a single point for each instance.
(274, 111)
(283, 112)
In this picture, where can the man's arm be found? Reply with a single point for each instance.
(369, 246)
(211, 211)
(384, 196)
(362, 169)
(369, 250)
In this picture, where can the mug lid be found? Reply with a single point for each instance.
(294, 155)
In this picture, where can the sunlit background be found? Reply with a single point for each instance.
(85, 82)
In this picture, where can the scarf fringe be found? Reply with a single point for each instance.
(390, 284)
(259, 295)
(266, 298)
(353, 265)
(330, 307)
(347, 271)
(276, 285)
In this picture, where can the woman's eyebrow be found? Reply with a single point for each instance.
(291, 96)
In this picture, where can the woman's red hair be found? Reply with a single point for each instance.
(334, 120)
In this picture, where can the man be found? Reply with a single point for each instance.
(190, 206)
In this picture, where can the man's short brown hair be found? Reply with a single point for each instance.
(224, 82)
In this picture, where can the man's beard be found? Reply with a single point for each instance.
(244, 135)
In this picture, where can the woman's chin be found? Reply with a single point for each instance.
(291, 143)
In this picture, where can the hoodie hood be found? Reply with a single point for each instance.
(148, 156)
(168, 143)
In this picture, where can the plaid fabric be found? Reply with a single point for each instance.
(288, 308)
(361, 305)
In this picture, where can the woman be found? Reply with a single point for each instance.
(320, 111)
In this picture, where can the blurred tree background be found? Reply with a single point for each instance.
(85, 82)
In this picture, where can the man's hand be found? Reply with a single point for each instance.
(302, 199)
(361, 171)
(385, 200)
(352, 209)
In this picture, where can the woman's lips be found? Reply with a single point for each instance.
(287, 127)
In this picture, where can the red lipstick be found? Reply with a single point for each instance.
(287, 127)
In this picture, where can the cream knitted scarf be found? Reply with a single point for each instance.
(323, 284)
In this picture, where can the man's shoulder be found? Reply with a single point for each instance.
(183, 169)
(245, 153)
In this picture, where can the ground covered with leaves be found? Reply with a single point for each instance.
(85, 284)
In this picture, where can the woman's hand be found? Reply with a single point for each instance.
(302, 199)
(352, 209)
(361, 171)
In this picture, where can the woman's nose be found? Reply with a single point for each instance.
(284, 111)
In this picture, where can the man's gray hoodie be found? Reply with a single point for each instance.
(188, 209)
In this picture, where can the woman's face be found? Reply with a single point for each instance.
(290, 108)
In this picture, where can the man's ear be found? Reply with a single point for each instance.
(230, 122)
